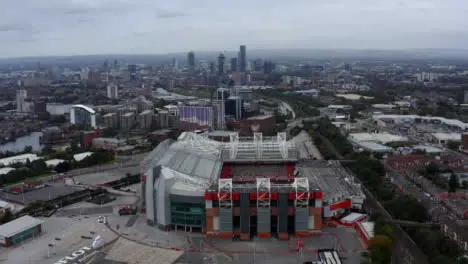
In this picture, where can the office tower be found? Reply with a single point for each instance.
(258, 65)
(175, 64)
(233, 64)
(221, 60)
(21, 103)
(242, 58)
(112, 91)
(212, 68)
(132, 69)
(191, 59)
(268, 67)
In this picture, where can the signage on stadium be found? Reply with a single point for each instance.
(78, 257)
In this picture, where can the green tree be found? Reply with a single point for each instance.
(455, 145)
(380, 248)
(453, 183)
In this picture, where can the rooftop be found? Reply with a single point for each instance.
(382, 138)
(146, 112)
(87, 108)
(54, 162)
(449, 122)
(261, 117)
(18, 225)
(18, 159)
(447, 136)
(81, 156)
(6, 170)
(375, 147)
(219, 133)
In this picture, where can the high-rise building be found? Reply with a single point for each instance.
(212, 68)
(191, 59)
(112, 91)
(83, 115)
(132, 69)
(233, 64)
(21, 96)
(221, 61)
(268, 67)
(242, 58)
(258, 65)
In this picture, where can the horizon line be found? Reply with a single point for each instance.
(178, 53)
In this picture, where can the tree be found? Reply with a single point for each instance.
(380, 248)
(63, 167)
(455, 145)
(6, 217)
(465, 184)
(453, 183)
(44, 116)
(28, 149)
(432, 168)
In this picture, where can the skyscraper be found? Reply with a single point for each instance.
(221, 61)
(233, 64)
(242, 58)
(212, 68)
(191, 59)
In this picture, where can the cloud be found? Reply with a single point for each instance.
(61, 27)
(163, 13)
(15, 27)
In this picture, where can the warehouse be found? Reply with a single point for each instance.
(247, 187)
(18, 230)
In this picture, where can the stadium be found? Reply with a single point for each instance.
(249, 186)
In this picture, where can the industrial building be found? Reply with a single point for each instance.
(18, 230)
(248, 186)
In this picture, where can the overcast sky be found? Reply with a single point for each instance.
(71, 27)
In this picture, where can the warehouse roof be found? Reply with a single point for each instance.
(382, 138)
(18, 225)
(449, 122)
(82, 156)
(6, 170)
(19, 159)
(374, 147)
(447, 136)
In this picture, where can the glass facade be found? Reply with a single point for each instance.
(18, 238)
(82, 117)
(185, 214)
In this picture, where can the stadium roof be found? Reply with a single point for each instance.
(191, 161)
(19, 225)
(87, 108)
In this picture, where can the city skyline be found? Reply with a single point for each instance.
(52, 27)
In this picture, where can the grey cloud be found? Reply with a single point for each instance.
(163, 13)
(15, 27)
(59, 26)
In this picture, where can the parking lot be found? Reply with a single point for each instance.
(42, 194)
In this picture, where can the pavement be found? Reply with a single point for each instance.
(306, 147)
(272, 250)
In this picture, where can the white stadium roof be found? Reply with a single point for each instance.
(87, 108)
